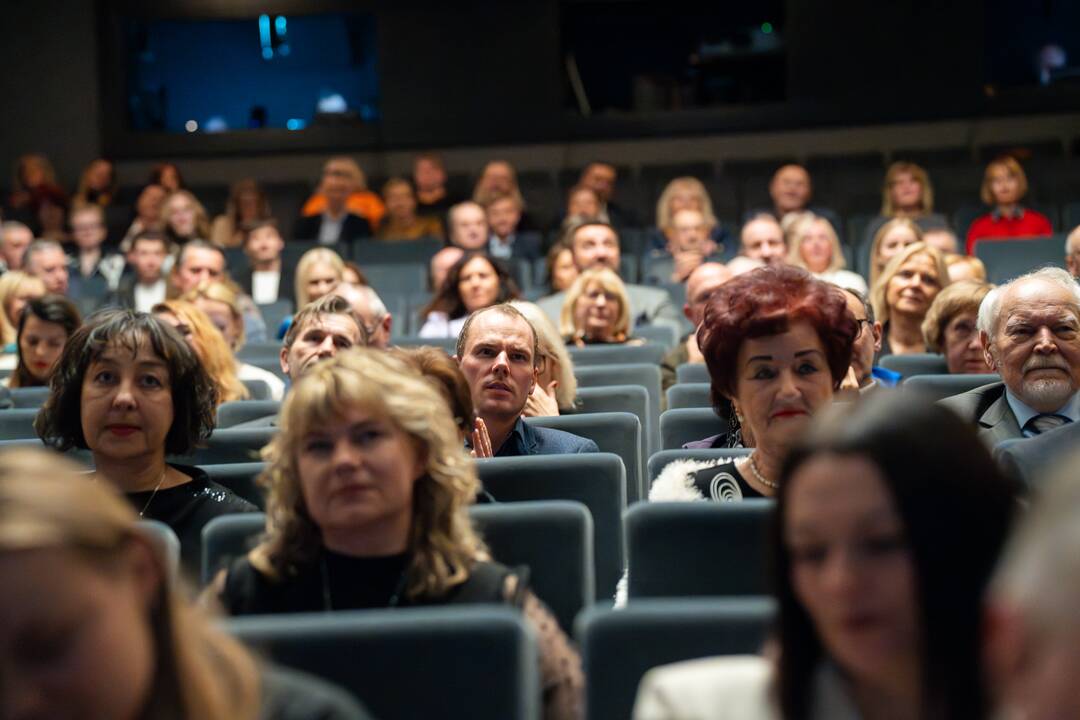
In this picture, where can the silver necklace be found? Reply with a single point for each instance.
(757, 475)
(153, 494)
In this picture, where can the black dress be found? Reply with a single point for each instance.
(187, 508)
(723, 483)
(340, 582)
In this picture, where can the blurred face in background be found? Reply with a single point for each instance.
(596, 246)
(88, 229)
(264, 245)
(600, 178)
(893, 242)
(478, 284)
(584, 202)
(148, 206)
(428, 174)
(468, 227)
(503, 216)
(563, 271)
(182, 215)
(762, 239)
(906, 192)
(400, 202)
(148, 257)
(790, 189)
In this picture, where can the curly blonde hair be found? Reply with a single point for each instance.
(443, 547)
(664, 215)
(609, 282)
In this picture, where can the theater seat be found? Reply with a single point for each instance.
(227, 537)
(29, 397)
(18, 424)
(644, 374)
(682, 549)
(449, 662)
(238, 411)
(917, 364)
(1007, 259)
(683, 425)
(689, 395)
(230, 445)
(632, 399)
(619, 646)
(257, 389)
(445, 344)
(617, 354)
(613, 432)
(597, 481)
(938, 387)
(167, 543)
(692, 373)
(275, 313)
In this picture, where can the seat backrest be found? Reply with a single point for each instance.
(257, 389)
(18, 424)
(664, 335)
(689, 395)
(554, 538)
(274, 313)
(230, 445)
(619, 646)
(238, 411)
(645, 375)
(682, 549)
(684, 425)
(692, 373)
(619, 398)
(227, 537)
(460, 662)
(917, 364)
(241, 478)
(616, 354)
(597, 481)
(613, 432)
(29, 397)
(258, 351)
(391, 278)
(370, 255)
(937, 387)
(448, 345)
(660, 460)
(1007, 259)
(167, 543)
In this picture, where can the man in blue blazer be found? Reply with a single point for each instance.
(499, 356)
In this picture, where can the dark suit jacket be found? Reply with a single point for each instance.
(286, 286)
(987, 407)
(1028, 460)
(354, 229)
(527, 246)
(526, 439)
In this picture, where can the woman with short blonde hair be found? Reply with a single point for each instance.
(684, 193)
(73, 555)
(903, 294)
(596, 309)
(327, 265)
(208, 344)
(16, 289)
(814, 246)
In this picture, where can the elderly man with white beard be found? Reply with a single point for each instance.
(1030, 333)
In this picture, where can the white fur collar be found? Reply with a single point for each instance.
(676, 483)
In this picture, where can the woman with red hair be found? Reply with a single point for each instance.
(777, 343)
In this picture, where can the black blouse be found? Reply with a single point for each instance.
(723, 483)
(187, 508)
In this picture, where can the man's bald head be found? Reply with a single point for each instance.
(700, 285)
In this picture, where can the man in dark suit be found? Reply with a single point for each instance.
(497, 350)
(1030, 333)
(266, 278)
(146, 286)
(505, 241)
(1029, 460)
(335, 226)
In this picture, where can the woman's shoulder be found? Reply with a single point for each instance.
(677, 482)
(737, 686)
(214, 495)
(436, 324)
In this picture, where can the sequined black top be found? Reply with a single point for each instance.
(187, 508)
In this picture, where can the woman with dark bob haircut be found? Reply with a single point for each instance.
(473, 282)
(777, 343)
(45, 325)
(130, 390)
(890, 518)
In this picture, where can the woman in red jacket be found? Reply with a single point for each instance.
(1004, 185)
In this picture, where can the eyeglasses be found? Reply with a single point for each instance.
(861, 321)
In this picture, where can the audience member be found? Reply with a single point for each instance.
(319, 271)
(790, 190)
(878, 594)
(445, 375)
(266, 278)
(318, 332)
(903, 294)
(17, 288)
(700, 286)
(146, 286)
(168, 176)
(246, 206)
(497, 178)
(473, 282)
(1029, 621)
(762, 238)
(353, 275)
(778, 344)
(1072, 252)
(596, 310)
(584, 203)
(689, 244)
(440, 265)
(907, 193)
(503, 215)
(499, 354)
(601, 177)
(97, 185)
(468, 226)
(596, 244)
(684, 193)
(73, 556)
(866, 376)
(15, 237)
(370, 311)
(184, 218)
(1004, 186)
(44, 326)
(46, 259)
(49, 206)
(555, 391)
(561, 270)
(941, 237)
(432, 197)
(401, 221)
(950, 326)
(209, 346)
(333, 216)
(889, 240)
(814, 246)
(96, 273)
(147, 214)
(1030, 333)
(367, 420)
(130, 390)
(32, 171)
(965, 267)
(220, 300)
(201, 261)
